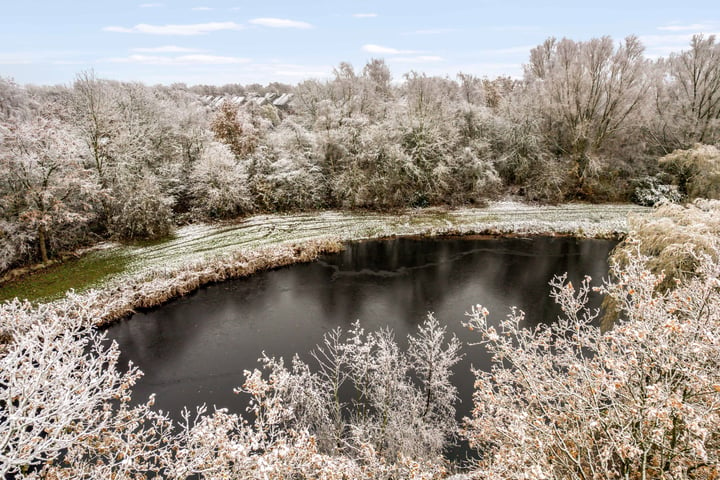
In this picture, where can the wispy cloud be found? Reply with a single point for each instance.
(302, 73)
(260, 72)
(432, 31)
(68, 62)
(365, 15)
(56, 57)
(506, 51)
(151, 5)
(418, 59)
(515, 28)
(280, 23)
(665, 44)
(204, 9)
(179, 60)
(165, 49)
(14, 59)
(379, 49)
(189, 29)
(693, 27)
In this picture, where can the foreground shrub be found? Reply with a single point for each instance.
(367, 392)
(65, 405)
(641, 401)
(63, 396)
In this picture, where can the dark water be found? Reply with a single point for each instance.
(194, 350)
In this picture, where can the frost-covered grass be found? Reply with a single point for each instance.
(199, 243)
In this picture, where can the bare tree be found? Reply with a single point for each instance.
(586, 94)
(688, 99)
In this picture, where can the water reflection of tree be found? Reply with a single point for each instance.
(412, 276)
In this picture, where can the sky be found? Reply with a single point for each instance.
(216, 42)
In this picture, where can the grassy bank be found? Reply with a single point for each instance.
(115, 265)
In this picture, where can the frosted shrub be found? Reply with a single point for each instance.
(376, 172)
(697, 170)
(466, 178)
(140, 209)
(671, 237)
(16, 245)
(651, 191)
(641, 401)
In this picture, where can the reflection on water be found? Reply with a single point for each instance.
(195, 349)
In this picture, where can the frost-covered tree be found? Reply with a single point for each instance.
(232, 127)
(96, 121)
(688, 96)
(44, 187)
(14, 100)
(586, 94)
(219, 185)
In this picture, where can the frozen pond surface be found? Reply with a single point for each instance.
(194, 350)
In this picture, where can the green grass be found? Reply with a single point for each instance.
(82, 273)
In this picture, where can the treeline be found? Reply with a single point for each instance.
(589, 120)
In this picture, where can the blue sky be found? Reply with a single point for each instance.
(241, 41)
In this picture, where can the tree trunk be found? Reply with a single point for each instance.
(42, 240)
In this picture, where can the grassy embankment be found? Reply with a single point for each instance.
(115, 264)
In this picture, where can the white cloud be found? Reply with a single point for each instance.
(247, 73)
(693, 27)
(190, 29)
(203, 9)
(280, 23)
(179, 60)
(379, 49)
(57, 57)
(677, 39)
(507, 51)
(165, 49)
(432, 31)
(365, 15)
(302, 73)
(151, 5)
(515, 28)
(663, 45)
(418, 59)
(14, 59)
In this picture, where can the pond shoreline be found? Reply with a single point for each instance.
(171, 270)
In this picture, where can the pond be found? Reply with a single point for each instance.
(194, 350)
